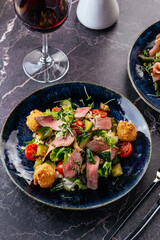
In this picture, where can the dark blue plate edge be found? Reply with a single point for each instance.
(73, 208)
(129, 73)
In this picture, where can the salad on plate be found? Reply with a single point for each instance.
(72, 146)
(151, 64)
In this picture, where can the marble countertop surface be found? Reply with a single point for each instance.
(96, 57)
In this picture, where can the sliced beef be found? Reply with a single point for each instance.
(92, 173)
(114, 151)
(98, 147)
(102, 123)
(49, 121)
(80, 113)
(62, 141)
(59, 142)
(72, 166)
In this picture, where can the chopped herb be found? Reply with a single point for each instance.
(145, 53)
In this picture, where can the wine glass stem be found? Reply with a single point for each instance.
(45, 58)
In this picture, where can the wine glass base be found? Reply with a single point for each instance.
(47, 72)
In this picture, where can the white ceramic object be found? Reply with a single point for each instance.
(98, 14)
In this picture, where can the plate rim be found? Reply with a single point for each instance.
(64, 207)
(129, 72)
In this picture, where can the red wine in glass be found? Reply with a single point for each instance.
(44, 16)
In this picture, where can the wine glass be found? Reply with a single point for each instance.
(44, 64)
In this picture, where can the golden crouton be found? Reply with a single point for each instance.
(44, 175)
(126, 131)
(31, 122)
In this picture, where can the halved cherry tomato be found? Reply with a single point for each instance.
(125, 149)
(100, 112)
(31, 151)
(60, 168)
(56, 109)
(78, 126)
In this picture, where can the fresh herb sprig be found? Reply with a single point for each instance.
(88, 97)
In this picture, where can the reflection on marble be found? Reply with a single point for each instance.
(95, 56)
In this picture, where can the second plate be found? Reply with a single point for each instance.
(142, 82)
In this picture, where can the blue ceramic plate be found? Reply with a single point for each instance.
(15, 133)
(142, 82)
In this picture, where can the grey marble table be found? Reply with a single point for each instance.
(96, 57)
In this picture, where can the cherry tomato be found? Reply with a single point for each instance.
(31, 151)
(56, 109)
(100, 112)
(78, 126)
(126, 149)
(60, 168)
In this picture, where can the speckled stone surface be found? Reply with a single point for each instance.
(96, 57)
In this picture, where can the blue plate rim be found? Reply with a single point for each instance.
(63, 207)
(129, 72)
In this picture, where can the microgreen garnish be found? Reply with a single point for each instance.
(66, 197)
(91, 105)
(145, 53)
(57, 101)
(82, 101)
(88, 97)
(109, 101)
(66, 129)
